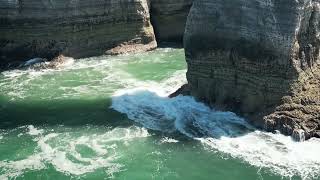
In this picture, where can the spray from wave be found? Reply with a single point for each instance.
(218, 131)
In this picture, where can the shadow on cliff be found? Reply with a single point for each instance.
(168, 44)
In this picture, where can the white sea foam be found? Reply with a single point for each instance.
(34, 131)
(219, 131)
(278, 153)
(146, 103)
(168, 140)
(100, 76)
(60, 151)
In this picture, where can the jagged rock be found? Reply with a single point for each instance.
(258, 58)
(42, 63)
(59, 62)
(299, 135)
(169, 18)
(79, 28)
(183, 90)
(130, 47)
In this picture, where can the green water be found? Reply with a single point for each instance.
(58, 124)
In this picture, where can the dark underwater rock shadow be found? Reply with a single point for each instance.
(68, 112)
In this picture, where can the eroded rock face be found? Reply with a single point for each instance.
(77, 28)
(169, 18)
(259, 58)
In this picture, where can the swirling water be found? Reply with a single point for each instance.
(109, 118)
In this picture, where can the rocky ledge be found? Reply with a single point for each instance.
(258, 58)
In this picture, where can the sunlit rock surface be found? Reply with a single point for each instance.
(259, 58)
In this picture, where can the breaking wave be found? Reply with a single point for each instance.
(145, 102)
(218, 131)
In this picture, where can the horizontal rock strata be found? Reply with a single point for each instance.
(78, 28)
(259, 58)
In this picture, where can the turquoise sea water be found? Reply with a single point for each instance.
(109, 118)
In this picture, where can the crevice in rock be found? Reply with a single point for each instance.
(168, 19)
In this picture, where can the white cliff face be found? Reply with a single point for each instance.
(80, 28)
(247, 55)
(76, 28)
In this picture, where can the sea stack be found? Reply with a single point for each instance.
(259, 58)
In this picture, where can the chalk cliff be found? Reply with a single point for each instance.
(259, 58)
(46, 28)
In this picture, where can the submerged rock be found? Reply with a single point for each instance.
(258, 58)
(75, 28)
(42, 63)
(60, 62)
